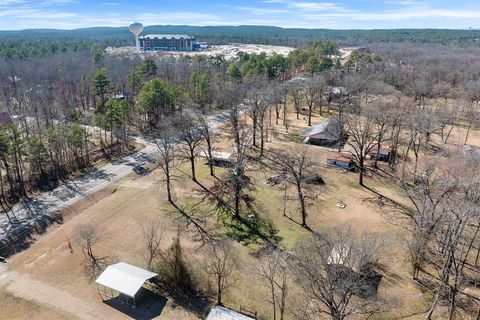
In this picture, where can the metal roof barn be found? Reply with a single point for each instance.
(124, 278)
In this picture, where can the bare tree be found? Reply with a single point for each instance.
(259, 97)
(274, 269)
(219, 264)
(296, 165)
(452, 245)
(362, 137)
(336, 273)
(428, 192)
(312, 90)
(167, 155)
(382, 113)
(87, 236)
(152, 232)
(208, 136)
(295, 91)
(191, 138)
(421, 125)
(232, 189)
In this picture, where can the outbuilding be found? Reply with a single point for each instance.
(340, 160)
(123, 280)
(383, 153)
(220, 159)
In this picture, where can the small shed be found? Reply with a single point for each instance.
(340, 160)
(124, 280)
(344, 260)
(327, 133)
(220, 159)
(383, 153)
(222, 313)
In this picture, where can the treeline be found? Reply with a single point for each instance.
(27, 43)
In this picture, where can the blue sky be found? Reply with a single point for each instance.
(334, 14)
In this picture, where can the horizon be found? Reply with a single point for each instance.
(233, 26)
(20, 15)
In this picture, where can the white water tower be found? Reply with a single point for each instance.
(136, 28)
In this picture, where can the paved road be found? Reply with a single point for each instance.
(63, 196)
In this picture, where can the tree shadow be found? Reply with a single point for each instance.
(193, 301)
(256, 227)
(381, 198)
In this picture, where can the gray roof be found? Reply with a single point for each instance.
(168, 36)
(471, 151)
(328, 130)
(221, 313)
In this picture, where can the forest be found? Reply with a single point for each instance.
(27, 43)
(80, 106)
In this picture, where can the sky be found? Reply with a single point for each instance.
(331, 14)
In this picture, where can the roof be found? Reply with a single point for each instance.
(342, 255)
(339, 157)
(124, 278)
(384, 150)
(328, 130)
(168, 36)
(471, 151)
(218, 155)
(222, 313)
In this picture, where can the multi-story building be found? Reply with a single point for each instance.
(167, 42)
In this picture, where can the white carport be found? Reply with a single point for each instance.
(122, 278)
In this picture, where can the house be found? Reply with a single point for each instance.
(222, 313)
(327, 133)
(340, 160)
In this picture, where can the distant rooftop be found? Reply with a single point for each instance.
(168, 36)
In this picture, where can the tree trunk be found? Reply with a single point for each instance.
(301, 199)
(210, 161)
(219, 290)
(361, 168)
(192, 163)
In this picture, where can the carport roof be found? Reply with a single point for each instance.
(124, 278)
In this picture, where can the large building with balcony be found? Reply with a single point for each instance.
(167, 42)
